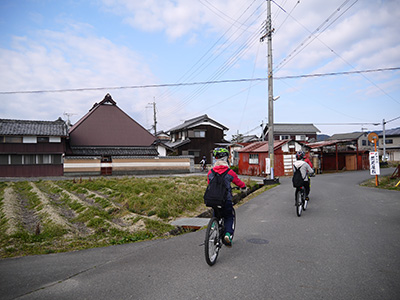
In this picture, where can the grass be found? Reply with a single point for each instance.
(384, 183)
(68, 215)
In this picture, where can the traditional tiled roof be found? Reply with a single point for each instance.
(347, 136)
(390, 132)
(114, 151)
(33, 128)
(197, 121)
(177, 144)
(294, 128)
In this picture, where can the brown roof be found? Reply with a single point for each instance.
(107, 125)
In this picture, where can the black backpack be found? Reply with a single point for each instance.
(298, 180)
(216, 192)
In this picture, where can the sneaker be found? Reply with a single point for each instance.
(228, 239)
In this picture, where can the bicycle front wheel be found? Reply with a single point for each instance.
(234, 218)
(299, 204)
(212, 243)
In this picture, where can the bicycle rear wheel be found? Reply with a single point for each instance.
(299, 204)
(212, 242)
(305, 202)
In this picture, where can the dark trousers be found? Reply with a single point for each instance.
(307, 187)
(228, 217)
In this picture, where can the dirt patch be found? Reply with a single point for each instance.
(11, 210)
(49, 212)
(29, 219)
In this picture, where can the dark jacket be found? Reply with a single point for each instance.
(231, 176)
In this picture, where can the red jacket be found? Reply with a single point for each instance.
(231, 176)
(307, 160)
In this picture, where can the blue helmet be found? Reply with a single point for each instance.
(300, 155)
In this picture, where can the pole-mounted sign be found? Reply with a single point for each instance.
(374, 168)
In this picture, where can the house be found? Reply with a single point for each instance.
(32, 148)
(107, 141)
(335, 155)
(360, 139)
(252, 158)
(108, 131)
(238, 144)
(392, 144)
(162, 136)
(297, 132)
(197, 137)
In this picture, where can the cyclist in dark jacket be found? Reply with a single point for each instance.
(221, 165)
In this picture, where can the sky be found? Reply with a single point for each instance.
(336, 64)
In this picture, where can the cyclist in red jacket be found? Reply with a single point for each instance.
(221, 165)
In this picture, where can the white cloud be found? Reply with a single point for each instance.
(366, 37)
(59, 60)
(179, 18)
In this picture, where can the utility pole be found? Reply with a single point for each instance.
(268, 35)
(155, 117)
(384, 140)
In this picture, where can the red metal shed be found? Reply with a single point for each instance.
(252, 158)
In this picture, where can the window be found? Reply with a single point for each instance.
(364, 142)
(3, 159)
(197, 133)
(284, 137)
(44, 159)
(13, 139)
(253, 159)
(16, 159)
(389, 141)
(300, 137)
(55, 139)
(195, 153)
(57, 159)
(1, 139)
(29, 140)
(29, 159)
(42, 139)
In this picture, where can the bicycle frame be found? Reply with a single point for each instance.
(300, 200)
(215, 234)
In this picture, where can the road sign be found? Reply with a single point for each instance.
(374, 168)
(373, 137)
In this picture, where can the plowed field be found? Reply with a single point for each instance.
(53, 216)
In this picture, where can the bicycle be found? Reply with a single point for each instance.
(215, 233)
(300, 200)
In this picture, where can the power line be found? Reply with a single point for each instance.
(313, 35)
(237, 54)
(393, 120)
(197, 83)
(320, 30)
(338, 73)
(345, 124)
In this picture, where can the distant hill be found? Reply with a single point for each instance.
(322, 137)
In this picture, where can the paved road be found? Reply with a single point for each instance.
(345, 246)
